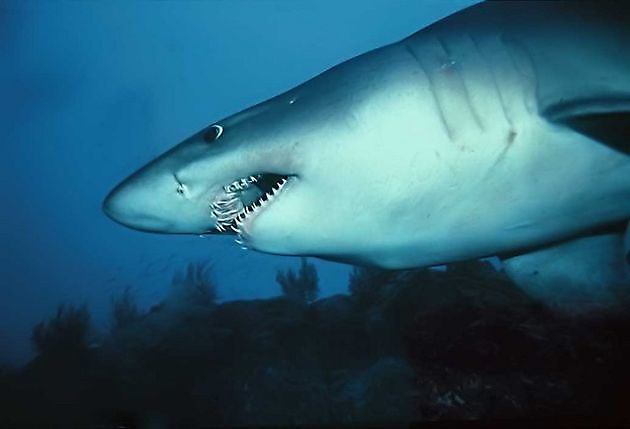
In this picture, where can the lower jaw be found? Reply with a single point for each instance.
(256, 201)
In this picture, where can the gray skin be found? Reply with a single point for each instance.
(499, 130)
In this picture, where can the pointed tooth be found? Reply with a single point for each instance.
(230, 206)
(226, 202)
(227, 214)
(236, 230)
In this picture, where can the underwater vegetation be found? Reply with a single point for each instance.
(413, 345)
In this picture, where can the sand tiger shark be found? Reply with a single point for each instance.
(503, 129)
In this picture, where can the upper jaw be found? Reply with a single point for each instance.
(240, 201)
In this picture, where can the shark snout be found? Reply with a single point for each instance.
(126, 206)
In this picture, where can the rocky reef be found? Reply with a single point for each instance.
(422, 345)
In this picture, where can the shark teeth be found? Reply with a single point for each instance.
(229, 211)
(241, 184)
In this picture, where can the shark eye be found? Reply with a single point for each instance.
(213, 133)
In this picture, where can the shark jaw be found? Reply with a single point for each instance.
(241, 201)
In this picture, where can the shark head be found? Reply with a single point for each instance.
(470, 138)
(274, 176)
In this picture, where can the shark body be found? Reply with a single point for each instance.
(500, 130)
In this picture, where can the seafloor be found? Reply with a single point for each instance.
(403, 346)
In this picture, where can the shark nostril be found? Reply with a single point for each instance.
(181, 188)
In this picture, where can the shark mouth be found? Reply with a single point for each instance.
(243, 199)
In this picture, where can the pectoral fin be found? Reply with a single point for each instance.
(583, 274)
(605, 119)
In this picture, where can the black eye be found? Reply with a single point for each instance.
(213, 133)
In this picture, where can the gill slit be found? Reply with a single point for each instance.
(460, 75)
(431, 82)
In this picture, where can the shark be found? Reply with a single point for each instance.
(503, 129)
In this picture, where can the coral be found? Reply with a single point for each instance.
(63, 333)
(367, 285)
(124, 310)
(302, 287)
(194, 286)
(457, 344)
